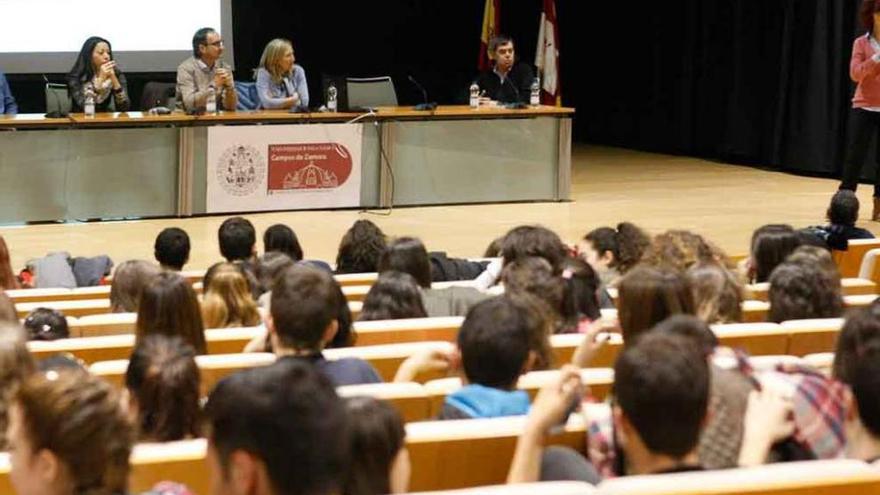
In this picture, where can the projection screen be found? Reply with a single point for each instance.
(45, 36)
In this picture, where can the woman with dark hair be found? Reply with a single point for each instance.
(162, 381)
(7, 276)
(46, 324)
(864, 120)
(408, 255)
(281, 238)
(534, 240)
(803, 290)
(771, 244)
(613, 251)
(379, 458)
(360, 248)
(95, 71)
(16, 364)
(648, 295)
(860, 331)
(169, 306)
(395, 295)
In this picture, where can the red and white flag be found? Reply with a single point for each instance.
(547, 55)
(491, 18)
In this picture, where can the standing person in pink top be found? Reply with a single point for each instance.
(864, 69)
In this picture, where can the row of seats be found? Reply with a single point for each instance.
(387, 343)
(470, 453)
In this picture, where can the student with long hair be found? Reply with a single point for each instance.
(282, 239)
(614, 251)
(16, 364)
(128, 284)
(68, 434)
(379, 458)
(95, 70)
(360, 248)
(162, 382)
(281, 83)
(169, 306)
(7, 276)
(227, 301)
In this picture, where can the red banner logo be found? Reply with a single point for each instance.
(309, 166)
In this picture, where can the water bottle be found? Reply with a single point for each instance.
(211, 102)
(332, 105)
(535, 97)
(89, 104)
(475, 95)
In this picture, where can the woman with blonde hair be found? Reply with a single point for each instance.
(281, 84)
(228, 301)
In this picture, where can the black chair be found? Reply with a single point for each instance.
(158, 94)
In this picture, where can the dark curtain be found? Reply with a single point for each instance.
(761, 82)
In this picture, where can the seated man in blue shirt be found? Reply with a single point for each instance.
(7, 101)
(495, 342)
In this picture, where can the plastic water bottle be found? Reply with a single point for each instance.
(475, 95)
(89, 104)
(535, 96)
(332, 95)
(211, 102)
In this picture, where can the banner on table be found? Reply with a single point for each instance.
(283, 167)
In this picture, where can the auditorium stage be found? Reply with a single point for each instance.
(659, 192)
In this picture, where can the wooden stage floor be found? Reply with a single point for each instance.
(723, 202)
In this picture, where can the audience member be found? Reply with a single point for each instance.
(171, 248)
(717, 293)
(281, 238)
(16, 364)
(169, 306)
(162, 381)
(393, 296)
(802, 291)
(678, 250)
(271, 264)
(7, 101)
(534, 240)
(281, 83)
(304, 319)
(771, 244)
(227, 301)
(205, 71)
(508, 81)
(46, 324)
(361, 248)
(278, 429)
(408, 255)
(842, 215)
(129, 281)
(495, 343)
(534, 276)
(614, 251)
(237, 239)
(862, 423)
(68, 434)
(648, 295)
(96, 72)
(379, 458)
(583, 294)
(8, 314)
(7, 276)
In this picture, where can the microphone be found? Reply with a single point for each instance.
(57, 114)
(518, 104)
(425, 105)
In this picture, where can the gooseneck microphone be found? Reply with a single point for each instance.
(425, 105)
(60, 113)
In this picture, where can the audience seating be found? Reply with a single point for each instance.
(19, 296)
(849, 262)
(870, 269)
(859, 301)
(837, 477)
(356, 278)
(849, 287)
(75, 308)
(407, 330)
(387, 358)
(754, 338)
(105, 324)
(755, 311)
(410, 399)
(811, 336)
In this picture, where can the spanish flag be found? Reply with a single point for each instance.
(547, 55)
(490, 29)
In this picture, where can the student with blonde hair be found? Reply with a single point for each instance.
(281, 84)
(228, 301)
